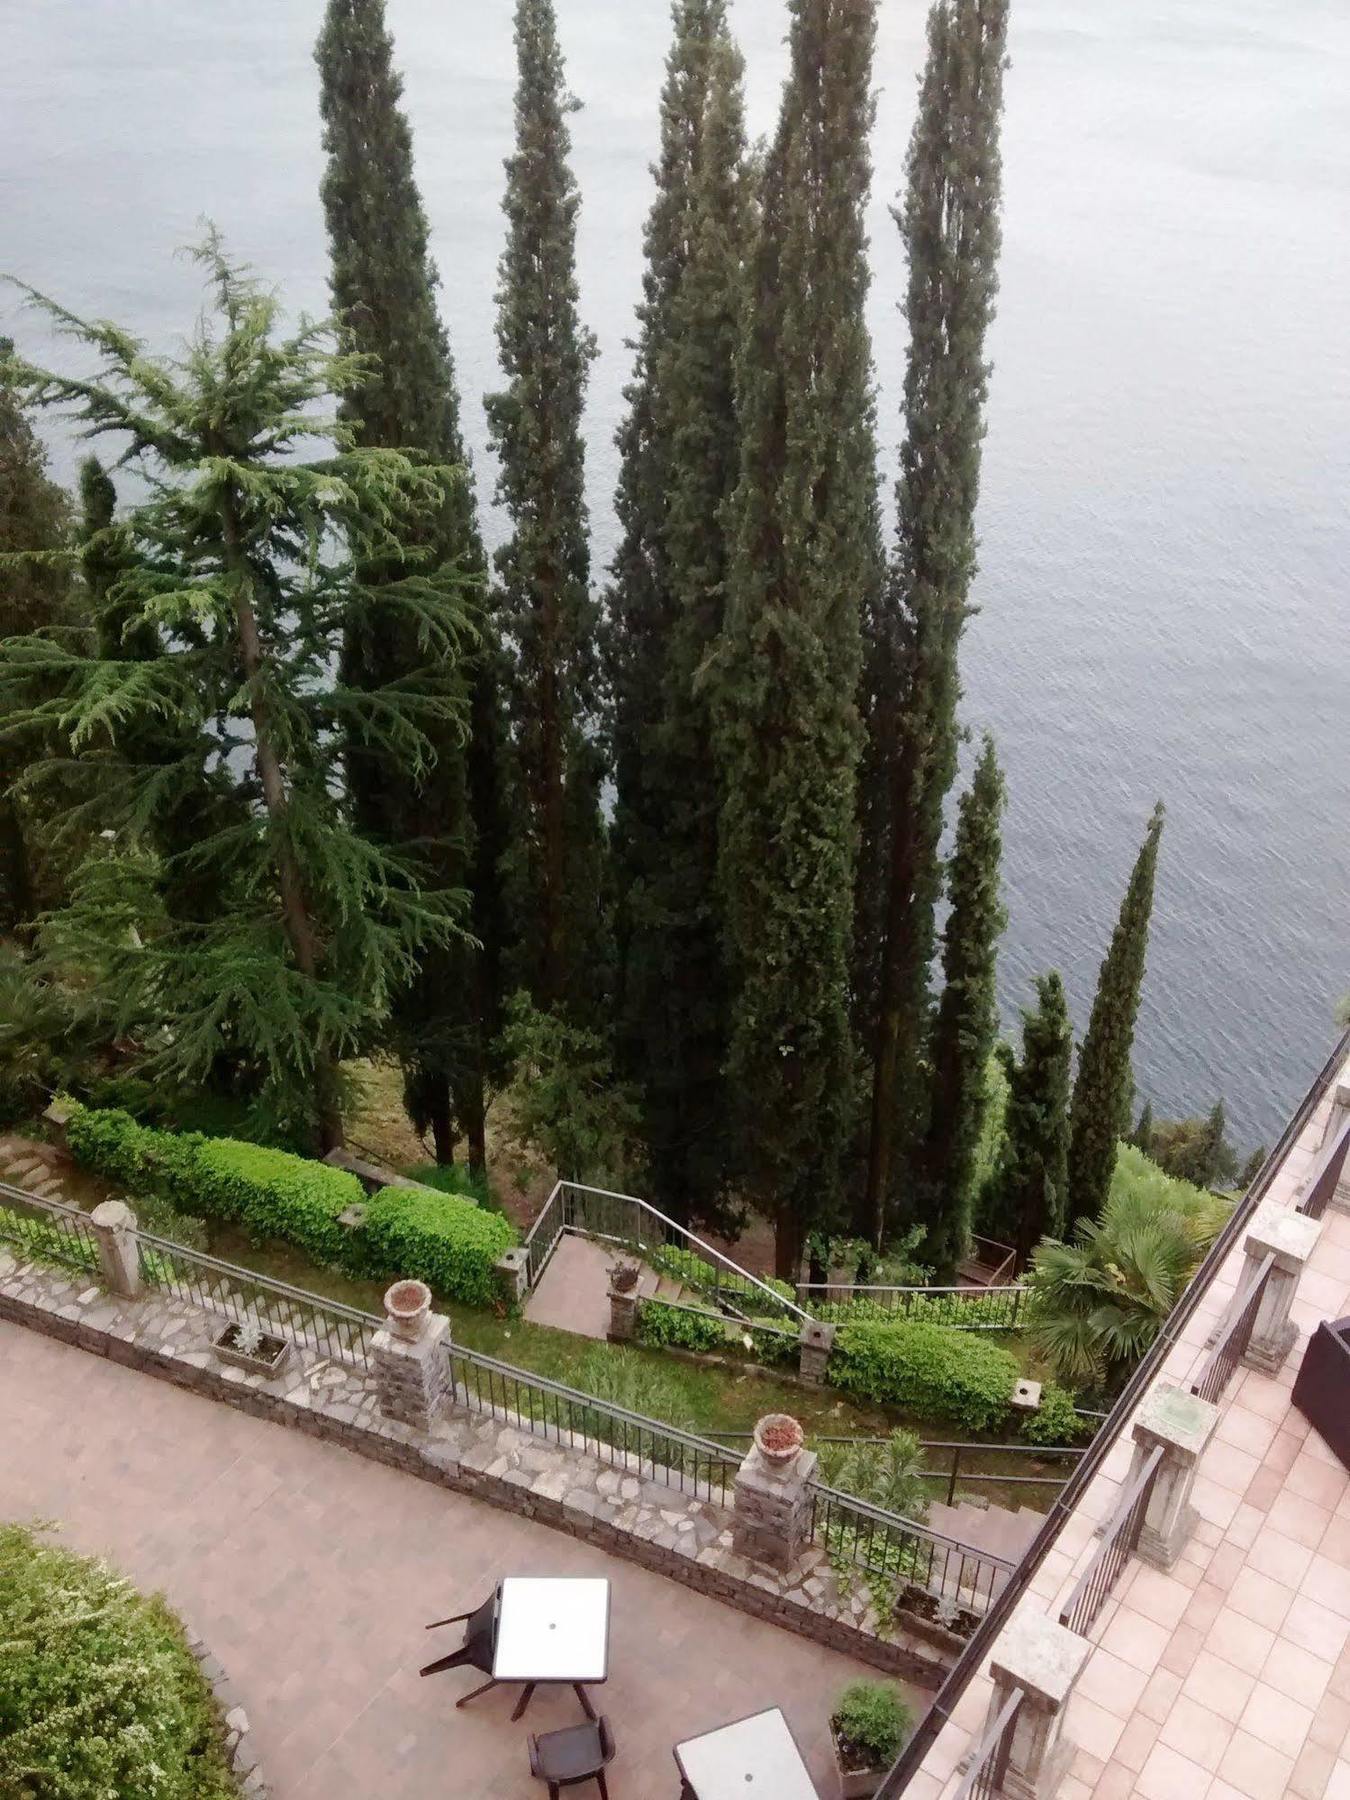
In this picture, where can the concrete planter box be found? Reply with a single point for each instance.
(270, 1358)
(852, 1783)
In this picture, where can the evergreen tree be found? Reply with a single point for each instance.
(680, 460)
(246, 559)
(786, 671)
(967, 1019)
(34, 596)
(544, 566)
(384, 291)
(950, 225)
(1142, 1135)
(1100, 1115)
(1031, 1184)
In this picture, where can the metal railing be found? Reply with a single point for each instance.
(1327, 1171)
(1235, 1334)
(965, 1308)
(1097, 1582)
(984, 1777)
(958, 1469)
(1000, 1259)
(47, 1230)
(542, 1238)
(873, 1542)
(327, 1327)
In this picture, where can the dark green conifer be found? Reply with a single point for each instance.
(786, 671)
(384, 290)
(680, 462)
(950, 225)
(1142, 1135)
(1100, 1115)
(1031, 1183)
(544, 566)
(967, 1018)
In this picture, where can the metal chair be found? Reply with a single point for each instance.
(477, 1649)
(578, 1753)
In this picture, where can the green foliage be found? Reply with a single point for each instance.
(564, 1100)
(1099, 1302)
(660, 1327)
(636, 1384)
(41, 1237)
(1028, 1195)
(1195, 1150)
(102, 1698)
(887, 1474)
(806, 553)
(274, 1194)
(696, 1272)
(926, 1369)
(872, 1719)
(949, 221)
(1055, 1421)
(981, 1312)
(679, 447)
(454, 1178)
(1103, 1092)
(442, 1239)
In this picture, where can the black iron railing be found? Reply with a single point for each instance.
(47, 1231)
(966, 1308)
(1235, 1335)
(1095, 1585)
(1327, 1171)
(984, 1778)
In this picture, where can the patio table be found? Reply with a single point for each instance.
(753, 1759)
(552, 1629)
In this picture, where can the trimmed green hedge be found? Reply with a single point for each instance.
(274, 1194)
(659, 1326)
(930, 1370)
(442, 1239)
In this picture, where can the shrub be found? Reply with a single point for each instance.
(136, 1156)
(1055, 1422)
(887, 1472)
(696, 1272)
(442, 1239)
(872, 1720)
(454, 1178)
(274, 1194)
(660, 1326)
(101, 1695)
(926, 1369)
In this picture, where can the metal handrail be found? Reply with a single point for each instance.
(878, 1515)
(9, 1192)
(1094, 1585)
(1327, 1171)
(989, 1751)
(284, 1289)
(1234, 1335)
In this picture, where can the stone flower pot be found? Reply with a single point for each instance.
(268, 1357)
(779, 1439)
(855, 1783)
(406, 1307)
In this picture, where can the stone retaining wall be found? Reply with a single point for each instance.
(620, 1509)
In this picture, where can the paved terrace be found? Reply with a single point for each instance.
(1229, 1678)
(310, 1572)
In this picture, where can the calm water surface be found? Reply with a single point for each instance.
(1165, 525)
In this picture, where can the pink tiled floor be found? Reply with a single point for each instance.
(311, 1572)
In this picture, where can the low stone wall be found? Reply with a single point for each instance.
(619, 1509)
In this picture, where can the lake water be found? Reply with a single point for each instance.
(1165, 533)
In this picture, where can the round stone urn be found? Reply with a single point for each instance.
(406, 1306)
(779, 1439)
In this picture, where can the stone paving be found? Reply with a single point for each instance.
(310, 1572)
(573, 1292)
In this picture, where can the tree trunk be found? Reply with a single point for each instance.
(475, 1130)
(787, 1248)
(16, 888)
(443, 1136)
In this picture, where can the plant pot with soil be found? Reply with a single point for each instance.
(868, 1728)
(406, 1306)
(779, 1438)
(244, 1344)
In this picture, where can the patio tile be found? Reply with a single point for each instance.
(1245, 1643)
(1338, 1784)
(1219, 1685)
(1197, 1732)
(1317, 1480)
(1276, 1719)
(1158, 1597)
(1136, 1640)
(1167, 1775)
(1296, 1672)
(1259, 1598)
(1135, 1743)
(1113, 1683)
(1156, 1701)
(1331, 1723)
(1315, 1627)
(1254, 1769)
(1329, 1584)
(1092, 1727)
(1280, 1557)
(1299, 1518)
(1311, 1772)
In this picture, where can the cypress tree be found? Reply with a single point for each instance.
(1142, 1136)
(384, 286)
(950, 225)
(786, 671)
(967, 1018)
(544, 566)
(1031, 1184)
(680, 460)
(1100, 1115)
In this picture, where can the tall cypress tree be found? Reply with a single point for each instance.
(1104, 1090)
(384, 290)
(786, 671)
(1030, 1195)
(544, 566)
(967, 1018)
(950, 225)
(680, 461)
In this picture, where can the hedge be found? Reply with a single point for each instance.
(274, 1194)
(659, 1326)
(930, 1370)
(101, 1695)
(442, 1239)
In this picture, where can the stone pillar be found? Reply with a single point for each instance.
(1182, 1425)
(1339, 1115)
(513, 1272)
(623, 1305)
(773, 1507)
(412, 1374)
(813, 1351)
(114, 1226)
(1290, 1238)
(1044, 1660)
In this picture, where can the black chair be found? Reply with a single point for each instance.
(579, 1753)
(476, 1651)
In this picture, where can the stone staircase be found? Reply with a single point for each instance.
(36, 1168)
(994, 1529)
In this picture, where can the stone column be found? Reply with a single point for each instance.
(813, 1351)
(1182, 1425)
(773, 1507)
(1044, 1660)
(1290, 1238)
(412, 1373)
(513, 1272)
(114, 1226)
(623, 1305)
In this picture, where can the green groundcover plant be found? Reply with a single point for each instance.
(100, 1699)
(871, 1722)
(926, 1369)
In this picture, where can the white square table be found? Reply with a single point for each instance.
(552, 1628)
(754, 1759)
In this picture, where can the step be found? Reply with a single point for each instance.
(667, 1288)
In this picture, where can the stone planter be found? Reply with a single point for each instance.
(406, 1306)
(779, 1439)
(853, 1783)
(270, 1358)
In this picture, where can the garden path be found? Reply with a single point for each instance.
(573, 1292)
